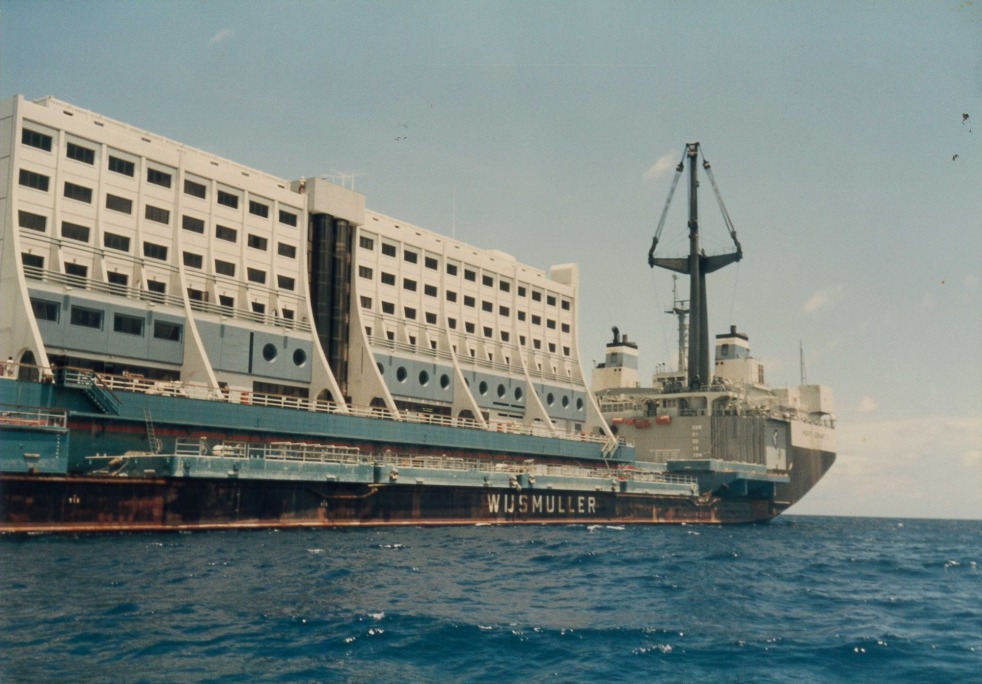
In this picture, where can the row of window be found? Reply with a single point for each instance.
(410, 256)
(155, 176)
(74, 231)
(85, 317)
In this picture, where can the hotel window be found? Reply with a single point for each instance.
(76, 272)
(228, 199)
(195, 189)
(552, 350)
(26, 219)
(289, 218)
(129, 325)
(258, 308)
(521, 315)
(285, 282)
(226, 233)
(226, 301)
(537, 344)
(120, 204)
(192, 260)
(429, 290)
(288, 315)
(163, 330)
(35, 139)
(225, 268)
(197, 295)
(469, 301)
(469, 327)
(452, 323)
(158, 178)
(536, 296)
(285, 250)
(410, 313)
(194, 225)
(409, 284)
(487, 280)
(364, 272)
(152, 213)
(487, 306)
(86, 318)
(451, 269)
(388, 250)
(388, 308)
(505, 336)
(366, 302)
(551, 324)
(257, 242)
(114, 241)
(258, 209)
(366, 242)
(536, 320)
(550, 300)
(565, 351)
(117, 165)
(504, 286)
(565, 305)
(32, 260)
(503, 311)
(470, 275)
(45, 310)
(255, 275)
(451, 296)
(82, 154)
(157, 286)
(154, 251)
(73, 231)
(388, 279)
(431, 263)
(78, 192)
(117, 282)
(521, 290)
(411, 257)
(431, 318)
(565, 327)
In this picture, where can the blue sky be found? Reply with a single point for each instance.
(544, 128)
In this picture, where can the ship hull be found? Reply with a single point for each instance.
(78, 504)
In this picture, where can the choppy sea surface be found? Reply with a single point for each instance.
(800, 599)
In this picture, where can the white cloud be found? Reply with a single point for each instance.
(925, 467)
(655, 172)
(824, 298)
(867, 405)
(221, 36)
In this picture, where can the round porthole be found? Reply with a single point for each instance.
(565, 401)
(483, 387)
(401, 374)
(381, 368)
(519, 394)
(579, 403)
(299, 358)
(424, 378)
(550, 399)
(269, 352)
(501, 391)
(444, 381)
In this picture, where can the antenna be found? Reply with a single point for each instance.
(801, 361)
(678, 308)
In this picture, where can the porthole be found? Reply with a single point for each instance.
(269, 352)
(550, 400)
(579, 403)
(565, 401)
(444, 381)
(501, 391)
(519, 394)
(424, 378)
(483, 387)
(299, 358)
(381, 368)
(401, 374)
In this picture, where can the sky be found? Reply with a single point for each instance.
(837, 134)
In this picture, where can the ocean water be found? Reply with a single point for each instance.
(801, 599)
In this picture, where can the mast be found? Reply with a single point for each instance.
(696, 265)
(680, 311)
